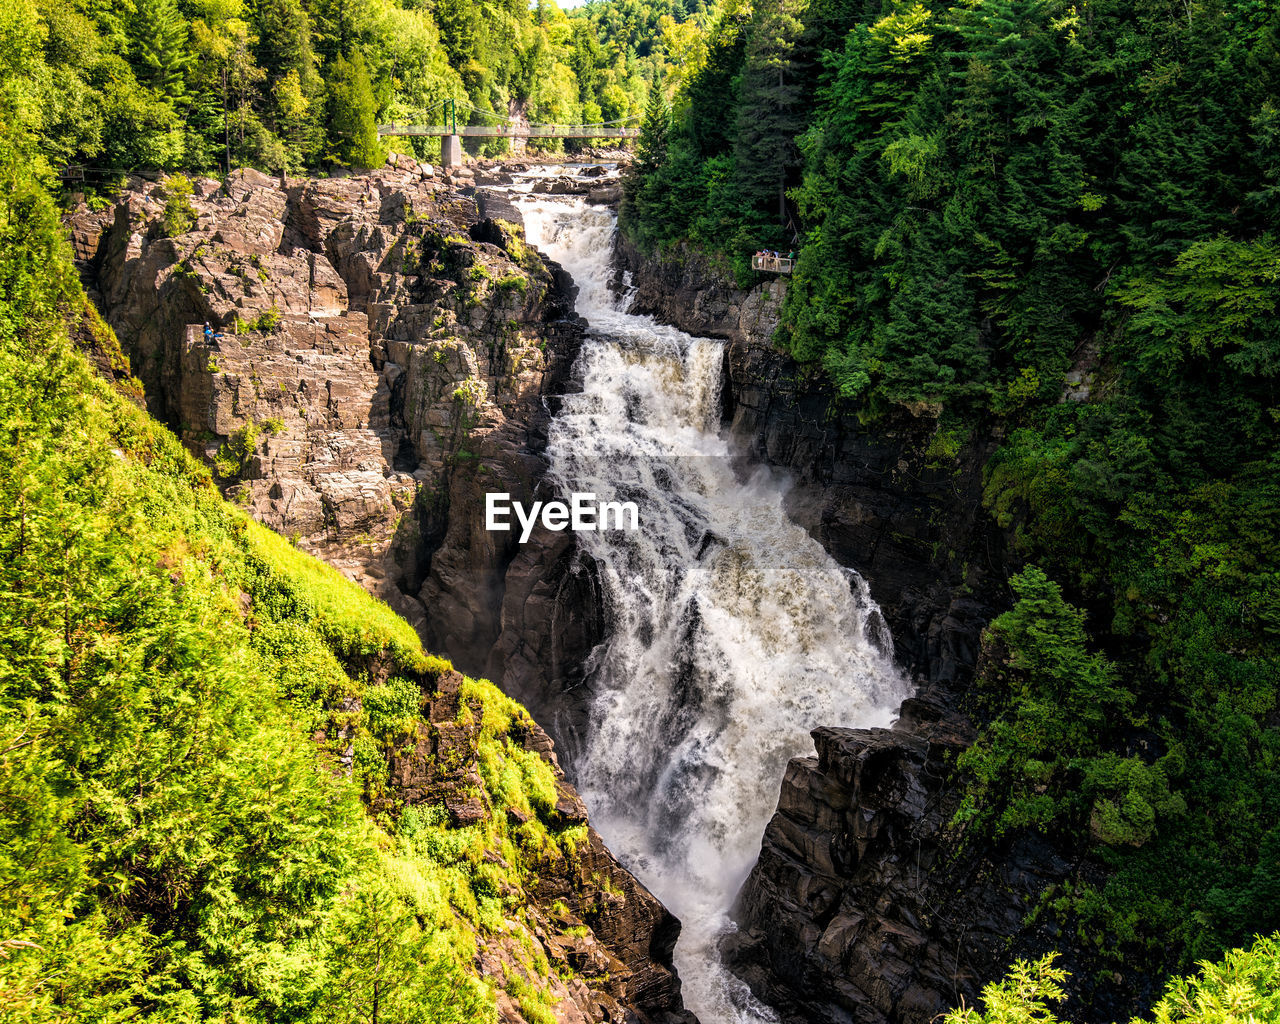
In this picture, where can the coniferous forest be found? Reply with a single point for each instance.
(1044, 226)
(992, 201)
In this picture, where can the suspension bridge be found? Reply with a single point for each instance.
(512, 128)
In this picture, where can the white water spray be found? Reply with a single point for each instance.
(732, 633)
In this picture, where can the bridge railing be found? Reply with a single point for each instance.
(772, 264)
(533, 131)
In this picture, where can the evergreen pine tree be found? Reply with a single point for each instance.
(389, 973)
(340, 26)
(283, 47)
(769, 108)
(353, 130)
(640, 181)
(712, 90)
(651, 148)
(160, 56)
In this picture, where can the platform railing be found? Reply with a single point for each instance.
(772, 264)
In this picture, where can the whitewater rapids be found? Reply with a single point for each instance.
(732, 633)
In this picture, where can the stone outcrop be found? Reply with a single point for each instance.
(863, 906)
(607, 940)
(385, 350)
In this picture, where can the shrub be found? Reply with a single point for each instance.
(179, 215)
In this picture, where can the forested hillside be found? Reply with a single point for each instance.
(1051, 224)
(120, 86)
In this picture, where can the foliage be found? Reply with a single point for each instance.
(120, 86)
(237, 452)
(352, 111)
(1063, 702)
(472, 391)
(1241, 988)
(1021, 997)
(179, 216)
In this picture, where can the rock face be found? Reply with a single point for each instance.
(591, 920)
(385, 350)
(863, 906)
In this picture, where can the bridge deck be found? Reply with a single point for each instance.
(533, 131)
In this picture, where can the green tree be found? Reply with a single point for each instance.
(642, 190)
(353, 129)
(1240, 988)
(291, 93)
(387, 969)
(1021, 997)
(160, 53)
(769, 109)
(178, 213)
(1061, 699)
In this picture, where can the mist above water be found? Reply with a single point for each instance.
(732, 633)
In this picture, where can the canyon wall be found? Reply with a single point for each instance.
(382, 350)
(359, 360)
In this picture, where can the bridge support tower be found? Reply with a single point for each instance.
(451, 151)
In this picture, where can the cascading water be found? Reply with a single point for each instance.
(732, 633)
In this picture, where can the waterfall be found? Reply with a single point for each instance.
(732, 633)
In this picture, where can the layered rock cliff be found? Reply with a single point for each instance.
(382, 351)
(864, 904)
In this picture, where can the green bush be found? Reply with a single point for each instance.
(1243, 987)
(179, 215)
(1061, 702)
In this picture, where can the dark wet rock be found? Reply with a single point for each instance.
(911, 523)
(864, 905)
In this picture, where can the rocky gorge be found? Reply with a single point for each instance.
(357, 359)
(385, 349)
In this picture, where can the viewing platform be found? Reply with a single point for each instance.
(772, 264)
